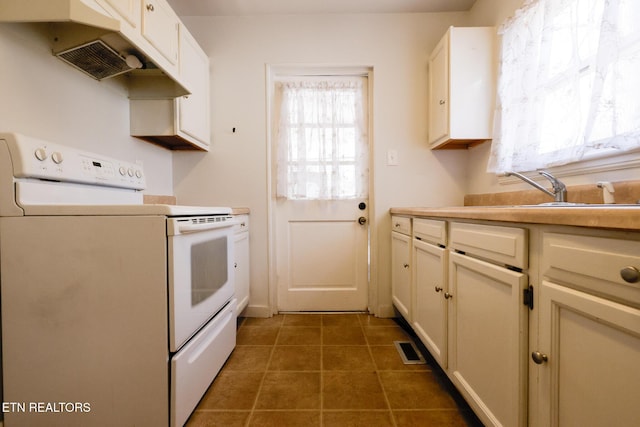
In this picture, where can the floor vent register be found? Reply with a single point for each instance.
(409, 353)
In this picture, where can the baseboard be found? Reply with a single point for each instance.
(256, 311)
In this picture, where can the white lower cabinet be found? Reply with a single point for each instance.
(241, 262)
(488, 339)
(488, 321)
(430, 313)
(401, 292)
(430, 286)
(588, 352)
(469, 313)
(570, 360)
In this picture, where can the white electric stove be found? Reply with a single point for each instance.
(114, 312)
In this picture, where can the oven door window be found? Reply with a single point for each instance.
(209, 268)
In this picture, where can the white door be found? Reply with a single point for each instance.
(322, 235)
(322, 256)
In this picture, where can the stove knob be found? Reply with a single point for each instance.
(138, 174)
(57, 157)
(40, 154)
(122, 170)
(130, 172)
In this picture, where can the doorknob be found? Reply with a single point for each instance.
(362, 220)
(539, 358)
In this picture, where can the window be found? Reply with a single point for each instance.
(322, 139)
(569, 83)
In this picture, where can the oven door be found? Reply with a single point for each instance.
(201, 273)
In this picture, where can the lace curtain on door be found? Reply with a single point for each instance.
(569, 83)
(322, 140)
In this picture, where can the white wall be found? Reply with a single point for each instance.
(235, 171)
(43, 97)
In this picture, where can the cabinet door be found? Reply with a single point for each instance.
(592, 345)
(401, 274)
(488, 339)
(241, 264)
(129, 10)
(160, 28)
(430, 313)
(193, 109)
(439, 91)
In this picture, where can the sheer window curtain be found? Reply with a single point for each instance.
(322, 144)
(569, 83)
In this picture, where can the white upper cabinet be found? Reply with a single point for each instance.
(181, 123)
(128, 10)
(193, 110)
(462, 70)
(151, 24)
(160, 28)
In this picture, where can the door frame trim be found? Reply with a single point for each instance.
(272, 71)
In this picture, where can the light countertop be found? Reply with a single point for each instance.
(599, 216)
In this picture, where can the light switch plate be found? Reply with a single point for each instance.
(392, 158)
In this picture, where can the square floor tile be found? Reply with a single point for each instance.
(218, 419)
(352, 390)
(256, 335)
(340, 320)
(343, 335)
(369, 418)
(295, 358)
(299, 335)
(265, 322)
(290, 390)
(302, 320)
(440, 418)
(285, 419)
(232, 390)
(385, 335)
(415, 390)
(347, 358)
(249, 358)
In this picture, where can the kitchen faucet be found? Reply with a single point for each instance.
(559, 189)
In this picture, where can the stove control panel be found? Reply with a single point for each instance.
(37, 159)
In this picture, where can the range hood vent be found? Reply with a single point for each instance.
(87, 38)
(95, 59)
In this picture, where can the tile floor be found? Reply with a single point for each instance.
(327, 370)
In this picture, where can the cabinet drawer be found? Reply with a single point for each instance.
(401, 224)
(503, 245)
(594, 264)
(195, 366)
(430, 230)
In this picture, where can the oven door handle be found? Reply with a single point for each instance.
(194, 228)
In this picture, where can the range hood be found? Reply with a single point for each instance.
(88, 39)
